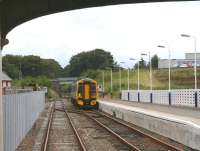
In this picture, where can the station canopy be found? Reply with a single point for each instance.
(15, 12)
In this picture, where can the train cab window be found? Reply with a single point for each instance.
(80, 89)
(93, 89)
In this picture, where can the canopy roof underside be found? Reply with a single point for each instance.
(15, 12)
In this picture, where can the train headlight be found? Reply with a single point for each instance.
(80, 102)
(93, 102)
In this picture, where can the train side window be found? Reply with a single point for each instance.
(80, 89)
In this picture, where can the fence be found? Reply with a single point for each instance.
(181, 97)
(20, 113)
(7, 91)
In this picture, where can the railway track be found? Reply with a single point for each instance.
(129, 135)
(61, 133)
(93, 130)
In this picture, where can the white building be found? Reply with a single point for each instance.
(188, 62)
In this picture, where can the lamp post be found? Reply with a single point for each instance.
(111, 84)
(132, 59)
(150, 69)
(150, 72)
(138, 81)
(128, 79)
(195, 59)
(120, 78)
(169, 64)
(103, 83)
(143, 54)
(1, 98)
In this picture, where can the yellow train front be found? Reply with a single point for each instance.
(85, 94)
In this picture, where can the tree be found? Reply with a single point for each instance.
(154, 61)
(11, 65)
(142, 64)
(90, 60)
(51, 68)
(15, 66)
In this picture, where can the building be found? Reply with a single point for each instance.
(188, 62)
(190, 56)
(6, 80)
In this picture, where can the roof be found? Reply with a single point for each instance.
(86, 80)
(16, 12)
(5, 77)
(65, 79)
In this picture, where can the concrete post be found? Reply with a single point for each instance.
(1, 98)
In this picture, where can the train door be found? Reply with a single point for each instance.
(87, 90)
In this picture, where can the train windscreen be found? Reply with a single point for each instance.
(80, 90)
(92, 89)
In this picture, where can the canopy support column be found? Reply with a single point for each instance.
(1, 97)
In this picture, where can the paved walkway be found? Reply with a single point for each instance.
(185, 115)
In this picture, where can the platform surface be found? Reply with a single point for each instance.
(185, 115)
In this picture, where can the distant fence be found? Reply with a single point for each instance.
(7, 91)
(179, 97)
(20, 112)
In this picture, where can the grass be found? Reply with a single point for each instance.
(180, 79)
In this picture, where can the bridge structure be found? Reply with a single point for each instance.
(16, 12)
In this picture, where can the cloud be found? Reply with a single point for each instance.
(125, 30)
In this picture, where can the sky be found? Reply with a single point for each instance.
(124, 30)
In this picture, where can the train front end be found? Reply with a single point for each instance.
(87, 94)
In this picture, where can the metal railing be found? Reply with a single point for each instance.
(178, 97)
(20, 112)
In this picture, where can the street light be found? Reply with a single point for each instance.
(195, 58)
(142, 54)
(132, 59)
(120, 77)
(103, 83)
(150, 72)
(150, 69)
(169, 64)
(111, 84)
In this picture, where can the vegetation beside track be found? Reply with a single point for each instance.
(181, 78)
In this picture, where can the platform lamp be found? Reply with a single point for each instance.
(195, 65)
(132, 59)
(111, 81)
(195, 59)
(150, 75)
(169, 68)
(169, 65)
(120, 79)
(103, 83)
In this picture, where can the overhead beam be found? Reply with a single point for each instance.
(15, 12)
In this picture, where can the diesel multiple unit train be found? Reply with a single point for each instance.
(85, 93)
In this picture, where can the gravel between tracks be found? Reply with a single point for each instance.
(95, 137)
(61, 137)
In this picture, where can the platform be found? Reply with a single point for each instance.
(178, 123)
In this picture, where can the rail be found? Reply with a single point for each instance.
(133, 146)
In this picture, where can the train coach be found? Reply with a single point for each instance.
(85, 93)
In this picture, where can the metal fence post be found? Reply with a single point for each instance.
(196, 98)
(170, 101)
(151, 97)
(138, 96)
(128, 96)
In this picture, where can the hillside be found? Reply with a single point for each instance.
(180, 79)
